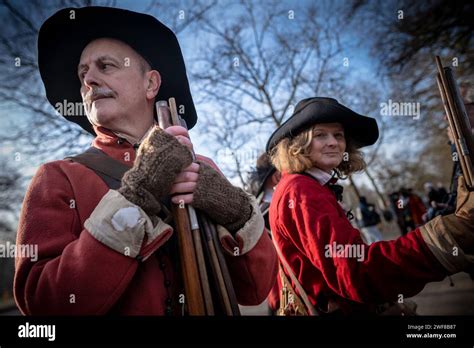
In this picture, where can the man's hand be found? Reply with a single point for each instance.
(185, 184)
(181, 134)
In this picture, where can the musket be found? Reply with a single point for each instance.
(458, 121)
(186, 226)
(223, 282)
(196, 241)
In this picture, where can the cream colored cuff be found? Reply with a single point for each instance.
(122, 225)
(245, 238)
(444, 247)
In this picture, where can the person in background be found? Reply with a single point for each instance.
(416, 207)
(262, 182)
(368, 219)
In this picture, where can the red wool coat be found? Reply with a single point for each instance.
(77, 275)
(307, 222)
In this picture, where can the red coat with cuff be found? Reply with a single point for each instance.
(75, 274)
(308, 224)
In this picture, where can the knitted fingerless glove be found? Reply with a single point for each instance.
(226, 205)
(159, 160)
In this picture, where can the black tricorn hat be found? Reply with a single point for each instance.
(262, 172)
(362, 130)
(63, 36)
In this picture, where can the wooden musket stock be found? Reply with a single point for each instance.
(197, 238)
(188, 258)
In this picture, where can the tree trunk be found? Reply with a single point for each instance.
(354, 187)
(381, 199)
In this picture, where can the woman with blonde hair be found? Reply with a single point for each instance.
(330, 267)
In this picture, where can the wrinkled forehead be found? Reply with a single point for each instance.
(107, 47)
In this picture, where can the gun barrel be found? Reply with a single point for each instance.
(458, 120)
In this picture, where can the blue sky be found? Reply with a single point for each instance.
(361, 65)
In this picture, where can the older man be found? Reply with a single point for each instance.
(108, 251)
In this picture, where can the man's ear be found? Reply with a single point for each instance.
(153, 84)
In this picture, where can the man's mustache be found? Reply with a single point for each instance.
(97, 93)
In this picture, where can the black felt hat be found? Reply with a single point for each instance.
(64, 35)
(362, 130)
(262, 172)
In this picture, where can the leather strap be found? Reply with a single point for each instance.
(289, 271)
(110, 170)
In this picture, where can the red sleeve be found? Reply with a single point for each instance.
(254, 273)
(386, 269)
(74, 274)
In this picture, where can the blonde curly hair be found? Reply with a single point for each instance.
(293, 155)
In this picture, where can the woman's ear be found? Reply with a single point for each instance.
(153, 84)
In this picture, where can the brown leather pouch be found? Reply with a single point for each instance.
(290, 303)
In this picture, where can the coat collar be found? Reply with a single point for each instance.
(113, 145)
(135, 142)
(327, 179)
(320, 175)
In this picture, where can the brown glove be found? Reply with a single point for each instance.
(444, 232)
(226, 205)
(461, 223)
(159, 160)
